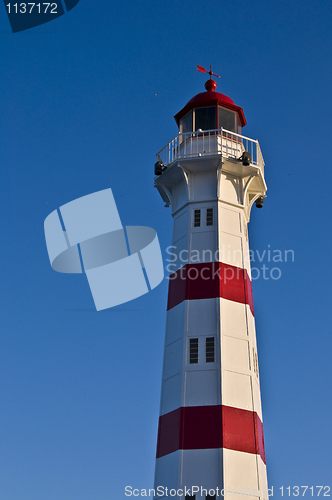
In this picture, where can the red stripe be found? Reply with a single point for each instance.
(208, 281)
(206, 427)
(260, 437)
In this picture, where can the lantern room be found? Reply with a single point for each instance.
(210, 110)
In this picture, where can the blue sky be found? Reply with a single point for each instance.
(86, 102)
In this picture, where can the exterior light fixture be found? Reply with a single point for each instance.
(260, 202)
(246, 159)
(158, 168)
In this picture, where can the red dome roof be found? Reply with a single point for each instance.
(211, 98)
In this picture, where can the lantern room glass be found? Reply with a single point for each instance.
(205, 118)
(227, 119)
(186, 123)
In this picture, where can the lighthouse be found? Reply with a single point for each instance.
(210, 436)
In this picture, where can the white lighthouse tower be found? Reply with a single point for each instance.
(210, 436)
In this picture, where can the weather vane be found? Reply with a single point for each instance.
(203, 70)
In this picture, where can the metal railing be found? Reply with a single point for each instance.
(210, 143)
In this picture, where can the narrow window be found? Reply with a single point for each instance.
(255, 359)
(188, 497)
(193, 351)
(210, 497)
(197, 218)
(209, 216)
(209, 349)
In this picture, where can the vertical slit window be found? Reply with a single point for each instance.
(193, 351)
(209, 350)
(197, 218)
(209, 216)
